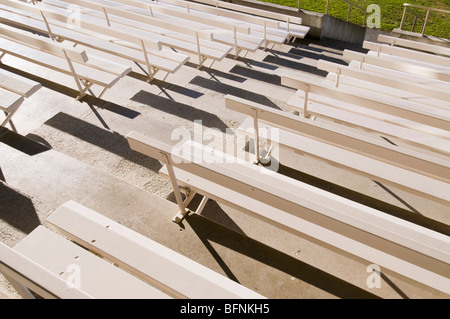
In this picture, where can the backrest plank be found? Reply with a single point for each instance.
(383, 80)
(43, 44)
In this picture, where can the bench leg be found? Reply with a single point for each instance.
(23, 291)
(9, 120)
(176, 189)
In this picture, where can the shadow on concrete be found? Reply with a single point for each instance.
(412, 216)
(89, 99)
(21, 143)
(210, 231)
(178, 109)
(165, 87)
(107, 140)
(229, 89)
(287, 63)
(217, 74)
(329, 45)
(251, 63)
(17, 210)
(257, 75)
(296, 53)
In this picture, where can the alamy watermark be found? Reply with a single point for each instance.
(211, 145)
(374, 279)
(374, 19)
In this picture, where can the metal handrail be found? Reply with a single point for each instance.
(407, 6)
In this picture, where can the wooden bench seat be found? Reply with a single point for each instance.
(324, 218)
(387, 93)
(407, 54)
(59, 30)
(292, 25)
(54, 56)
(14, 89)
(153, 263)
(415, 45)
(240, 28)
(409, 114)
(304, 136)
(54, 267)
(383, 80)
(186, 39)
(416, 71)
(353, 116)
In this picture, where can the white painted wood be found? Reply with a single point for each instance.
(124, 27)
(80, 269)
(170, 64)
(407, 53)
(430, 104)
(401, 75)
(368, 98)
(18, 84)
(441, 74)
(43, 44)
(319, 108)
(416, 45)
(23, 272)
(164, 268)
(384, 80)
(423, 164)
(337, 223)
(391, 175)
(84, 72)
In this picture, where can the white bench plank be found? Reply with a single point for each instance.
(431, 48)
(171, 61)
(330, 220)
(384, 80)
(98, 277)
(433, 72)
(18, 84)
(52, 62)
(407, 53)
(373, 100)
(23, 272)
(433, 167)
(152, 262)
(318, 107)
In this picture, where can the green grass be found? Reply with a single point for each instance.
(391, 13)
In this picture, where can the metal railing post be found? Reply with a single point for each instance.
(425, 23)
(403, 18)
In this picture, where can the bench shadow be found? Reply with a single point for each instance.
(300, 54)
(208, 231)
(236, 91)
(257, 75)
(105, 139)
(325, 44)
(411, 216)
(166, 86)
(17, 210)
(287, 63)
(24, 144)
(89, 99)
(178, 109)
